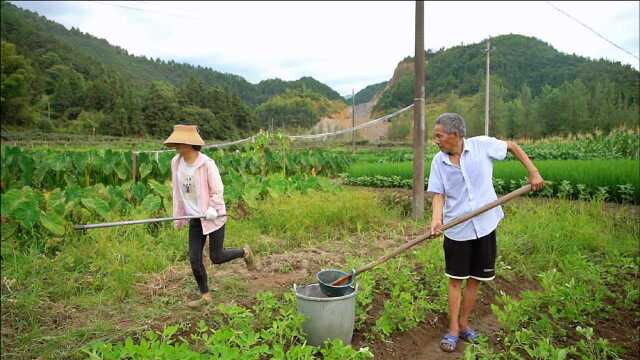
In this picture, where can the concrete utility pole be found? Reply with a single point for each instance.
(486, 95)
(417, 203)
(353, 120)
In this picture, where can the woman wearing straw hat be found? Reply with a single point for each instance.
(198, 190)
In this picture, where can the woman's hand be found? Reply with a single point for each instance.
(211, 214)
(436, 227)
(536, 180)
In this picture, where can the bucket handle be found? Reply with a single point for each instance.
(353, 279)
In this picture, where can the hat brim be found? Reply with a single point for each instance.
(190, 139)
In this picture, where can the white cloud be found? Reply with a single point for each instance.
(344, 44)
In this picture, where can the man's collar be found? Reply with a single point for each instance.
(465, 148)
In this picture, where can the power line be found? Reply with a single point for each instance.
(591, 29)
(170, 14)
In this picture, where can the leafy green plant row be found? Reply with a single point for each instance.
(625, 193)
(53, 169)
(272, 328)
(593, 174)
(409, 287)
(268, 154)
(558, 321)
(31, 217)
(618, 144)
(582, 282)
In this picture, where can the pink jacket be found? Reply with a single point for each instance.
(210, 192)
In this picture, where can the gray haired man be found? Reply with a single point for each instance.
(461, 181)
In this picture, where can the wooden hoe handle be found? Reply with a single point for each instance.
(501, 200)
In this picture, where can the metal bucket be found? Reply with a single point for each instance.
(326, 277)
(326, 317)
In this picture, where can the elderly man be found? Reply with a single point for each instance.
(461, 181)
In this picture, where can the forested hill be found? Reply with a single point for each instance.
(34, 36)
(367, 94)
(516, 60)
(54, 79)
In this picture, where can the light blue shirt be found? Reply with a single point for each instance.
(469, 186)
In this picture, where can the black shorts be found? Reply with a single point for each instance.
(471, 258)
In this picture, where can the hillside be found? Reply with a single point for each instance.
(366, 95)
(59, 80)
(34, 36)
(517, 61)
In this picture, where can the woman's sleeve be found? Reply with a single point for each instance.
(178, 206)
(216, 188)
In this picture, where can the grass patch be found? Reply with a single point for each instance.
(317, 217)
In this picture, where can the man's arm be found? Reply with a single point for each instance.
(437, 204)
(536, 181)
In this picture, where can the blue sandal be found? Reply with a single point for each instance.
(469, 335)
(449, 342)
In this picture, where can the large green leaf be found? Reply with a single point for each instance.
(96, 205)
(40, 173)
(73, 192)
(70, 179)
(115, 195)
(7, 230)
(58, 163)
(138, 190)
(122, 171)
(56, 201)
(163, 190)
(26, 167)
(26, 212)
(152, 203)
(250, 196)
(53, 222)
(145, 169)
(164, 164)
(9, 200)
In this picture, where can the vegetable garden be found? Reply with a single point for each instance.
(568, 258)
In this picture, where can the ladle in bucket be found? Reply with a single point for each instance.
(348, 278)
(327, 277)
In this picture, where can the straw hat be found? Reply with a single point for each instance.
(184, 134)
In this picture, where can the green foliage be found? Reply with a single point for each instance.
(234, 334)
(616, 180)
(49, 169)
(62, 73)
(535, 90)
(397, 96)
(367, 94)
(16, 77)
(517, 60)
(399, 130)
(296, 108)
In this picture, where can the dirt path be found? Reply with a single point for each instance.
(276, 272)
(343, 120)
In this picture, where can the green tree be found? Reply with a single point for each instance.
(68, 91)
(160, 109)
(603, 105)
(524, 120)
(454, 105)
(497, 111)
(16, 77)
(575, 98)
(548, 111)
(209, 126)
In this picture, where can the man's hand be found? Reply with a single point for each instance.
(536, 181)
(436, 227)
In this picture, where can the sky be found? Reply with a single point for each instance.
(347, 45)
